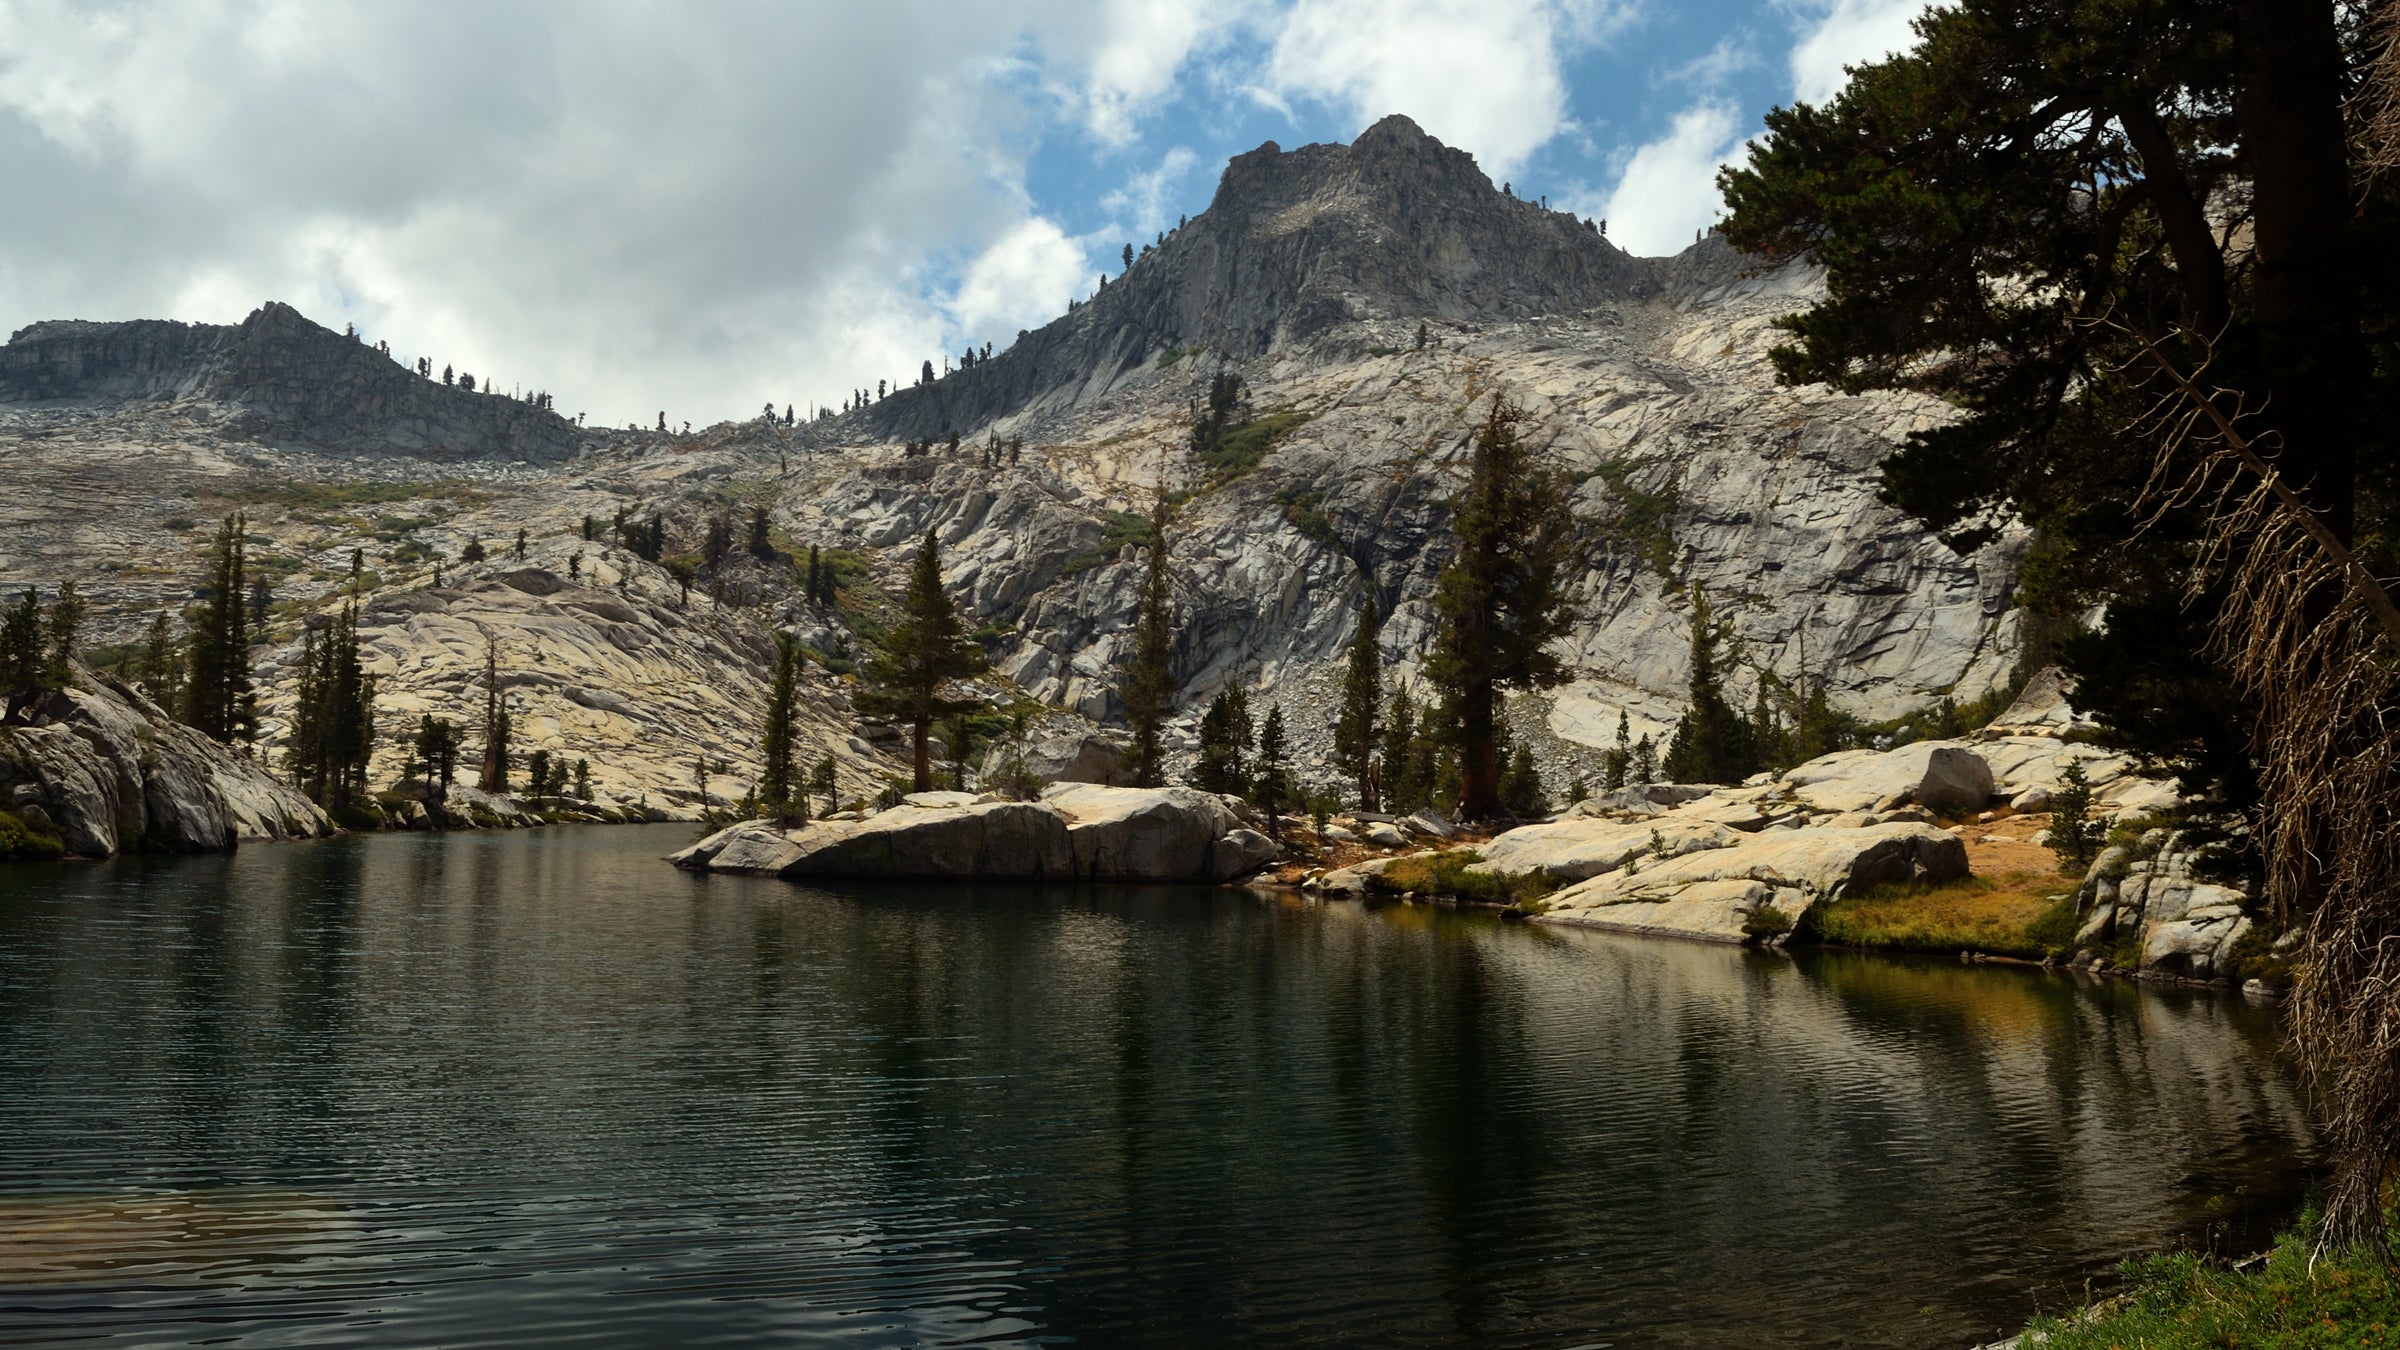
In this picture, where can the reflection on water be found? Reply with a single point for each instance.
(539, 1088)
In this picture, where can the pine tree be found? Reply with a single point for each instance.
(924, 653)
(437, 745)
(824, 781)
(64, 632)
(1521, 789)
(1618, 760)
(495, 724)
(1224, 743)
(2074, 839)
(1402, 791)
(583, 779)
(1271, 784)
(159, 666)
(777, 791)
(332, 737)
(22, 659)
(1645, 760)
(1712, 742)
(1149, 683)
(1501, 601)
(1354, 734)
(537, 774)
(520, 543)
(218, 698)
(719, 540)
(761, 545)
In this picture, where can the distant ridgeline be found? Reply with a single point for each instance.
(282, 380)
(1295, 244)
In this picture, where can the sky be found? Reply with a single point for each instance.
(702, 207)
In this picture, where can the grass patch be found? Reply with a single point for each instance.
(861, 603)
(1170, 356)
(1245, 445)
(2347, 1299)
(1446, 874)
(1305, 512)
(1117, 529)
(2010, 915)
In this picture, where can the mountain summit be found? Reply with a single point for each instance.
(1296, 244)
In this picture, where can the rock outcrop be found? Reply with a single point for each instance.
(1077, 832)
(108, 773)
(1722, 892)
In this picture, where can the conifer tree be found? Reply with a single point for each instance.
(1502, 599)
(778, 792)
(719, 540)
(583, 779)
(520, 543)
(924, 654)
(1225, 735)
(495, 724)
(1354, 734)
(823, 780)
(22, 659)
(1149, 685)
(1712, 742)
(64, 632)
(1645, 760)
(1271, 784)
(762, 546)
(333, 721)
(159, 666)
(1618, 760)
(436, 747)
(218, 698)
(537, 774)
(1521, 789)
(1402, 790)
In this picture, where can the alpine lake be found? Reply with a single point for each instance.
(539, 1088)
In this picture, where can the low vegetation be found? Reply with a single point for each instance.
(2297, 1300)
(1244, 445)
(2012, 914)
(21, 842)
(1446, 874)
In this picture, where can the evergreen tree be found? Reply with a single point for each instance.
(1402, 791)
(262, 602)
(1645, 760)
(924, 654)
(1271, 782)
(537, 774)
(1618, 760)
(583, 779)
(1502, 599)
(1211, 419)
(520, 543)
(719, 540)
(590, 528)
(1712, 742)
(823, 780)
(1521, 789)
(762, 546)
(1224, 743)
(473, 552)
(218, 698)
(1354, 733)
(495, 724)
(332, 734)
(159, 666)
(64, 630)
(23, 662)
(1149, 682)
(437, 745)
(778, 791)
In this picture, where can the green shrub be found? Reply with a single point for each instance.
(2054, 931)
(21, 842)
(1446, 873)
(1767, 921)
(1244, 446)
(2296, 1300)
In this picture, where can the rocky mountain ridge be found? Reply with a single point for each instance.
(1645, 383)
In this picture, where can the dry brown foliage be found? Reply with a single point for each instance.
(2314, 640)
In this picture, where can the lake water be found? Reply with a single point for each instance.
(540, 1088)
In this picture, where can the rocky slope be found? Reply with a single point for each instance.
(101, 769)
(1645, 382)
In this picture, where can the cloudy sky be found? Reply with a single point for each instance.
(703, 206)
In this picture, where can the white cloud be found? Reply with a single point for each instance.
(1024, 279)
(1482, 75)
(1669, 186)
(1849, 33)
(1140, 206)
(1144, 45)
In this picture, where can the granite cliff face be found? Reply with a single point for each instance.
(1645, 383)
(277, 378)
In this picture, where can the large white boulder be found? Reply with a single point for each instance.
(1577, 849)
(1714, 893)
(1932, 774)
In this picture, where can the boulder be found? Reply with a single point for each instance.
(1714, 892)
(1065, 756)
(1146, 834)
(1933, 774)
(1382, 835)
(1077, 830)
(112, 774)
(1579, 849)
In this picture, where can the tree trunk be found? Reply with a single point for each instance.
(1478, 765)
(2311, 360)
(923, 727)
